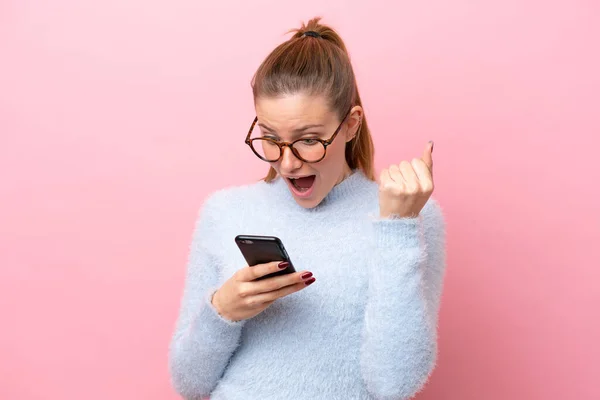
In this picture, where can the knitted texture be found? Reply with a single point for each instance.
(366, 329)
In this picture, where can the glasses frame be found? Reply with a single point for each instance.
(281, 144)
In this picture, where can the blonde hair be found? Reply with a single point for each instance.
(317, 66)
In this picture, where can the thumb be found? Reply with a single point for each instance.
(427, 157)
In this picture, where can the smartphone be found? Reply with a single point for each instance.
(264, 249)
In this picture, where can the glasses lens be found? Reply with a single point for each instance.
(266, 149)
(310, 150)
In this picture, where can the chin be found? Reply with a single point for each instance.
(308, 203)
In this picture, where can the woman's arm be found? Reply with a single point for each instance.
(406, 272)
(203, 341)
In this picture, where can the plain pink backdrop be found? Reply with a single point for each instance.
(106, 114)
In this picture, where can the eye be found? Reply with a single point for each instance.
(309, 142)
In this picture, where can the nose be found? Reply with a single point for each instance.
(289, 161)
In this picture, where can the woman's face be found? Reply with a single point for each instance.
(287, 118)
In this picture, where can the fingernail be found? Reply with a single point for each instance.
(283, 264)
(306, 275)
(431, 141)
(308, 282)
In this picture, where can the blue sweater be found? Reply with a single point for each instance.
(366, 329)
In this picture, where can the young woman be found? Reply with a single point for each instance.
(358, 319)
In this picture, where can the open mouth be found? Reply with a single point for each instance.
(302, 185)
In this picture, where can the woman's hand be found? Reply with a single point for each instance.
(241, 297)
(405, 188)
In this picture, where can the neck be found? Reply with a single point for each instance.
(346, 172)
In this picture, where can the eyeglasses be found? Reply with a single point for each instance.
(310, 150)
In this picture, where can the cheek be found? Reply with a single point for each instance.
(275, 166)
(336, 153)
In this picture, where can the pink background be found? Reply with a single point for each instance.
(106, 114)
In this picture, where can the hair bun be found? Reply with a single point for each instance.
(312, 33)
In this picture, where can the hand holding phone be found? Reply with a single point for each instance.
(264, 249)
(248, 292)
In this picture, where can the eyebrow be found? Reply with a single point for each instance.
(297, 130)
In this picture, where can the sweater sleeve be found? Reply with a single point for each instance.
(399, 348)
(203, 341)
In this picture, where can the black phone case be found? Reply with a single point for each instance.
(264, 249)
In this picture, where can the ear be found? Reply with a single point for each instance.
(354, 122)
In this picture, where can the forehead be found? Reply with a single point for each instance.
(290, 111)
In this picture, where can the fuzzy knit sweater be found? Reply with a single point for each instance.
(366, 329)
